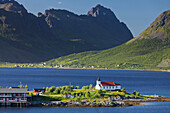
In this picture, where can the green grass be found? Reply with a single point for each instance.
(140, 54)
(149, 51)
(144, 54)
(103, 96)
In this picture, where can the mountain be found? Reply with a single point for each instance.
(12, 5)
(101, 31)
(159, 29)
(149, 50)
(25, 37)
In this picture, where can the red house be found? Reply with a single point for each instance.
(39, 90)
(13, 95)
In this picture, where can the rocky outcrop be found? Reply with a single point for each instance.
(12, 6)
(87, 104)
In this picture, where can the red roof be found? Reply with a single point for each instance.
(117, 83)
(108, 83)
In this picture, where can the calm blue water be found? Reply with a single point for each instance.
(145, 82)
(149, 108)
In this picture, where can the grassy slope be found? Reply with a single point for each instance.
(145, 53)
(149, 50)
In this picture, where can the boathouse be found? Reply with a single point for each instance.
(111, 86)
(13, 95)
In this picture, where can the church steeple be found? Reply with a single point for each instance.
(98, 82)
(98, 79)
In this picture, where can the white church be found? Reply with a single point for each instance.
(111, 86)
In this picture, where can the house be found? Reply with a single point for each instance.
(69, 96)
(39, 90)
(111, 86)
(13, 95)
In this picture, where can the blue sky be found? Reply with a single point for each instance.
(136, 14)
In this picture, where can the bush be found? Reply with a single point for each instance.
(57, 91)
(77, 87)
(123, 90)
(21, 86)
(90, 86)
(52, 89)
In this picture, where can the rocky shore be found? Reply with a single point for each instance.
(121, 103)
(84, 104)
(89, 104)
(154, 99)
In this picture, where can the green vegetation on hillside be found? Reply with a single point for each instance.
(153, 54)
(140, 54)
(148, 51)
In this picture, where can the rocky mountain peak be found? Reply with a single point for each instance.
(161, 20)
(100, 11)
(159, 29)
(12, 6)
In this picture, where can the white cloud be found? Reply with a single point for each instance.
(59, 2)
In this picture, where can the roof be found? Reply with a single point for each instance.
(108, 83)
(13, 87)
(38, 89)
(117, 84)
(15, 90)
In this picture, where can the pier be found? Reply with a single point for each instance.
(14, 104)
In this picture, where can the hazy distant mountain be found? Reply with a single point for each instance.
(25, 37)
(149, 50)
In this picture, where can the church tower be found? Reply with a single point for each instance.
(98, 81)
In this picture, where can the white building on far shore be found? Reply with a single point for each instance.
(111, 86)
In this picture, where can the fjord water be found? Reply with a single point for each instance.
(149, 108)
(145, 82)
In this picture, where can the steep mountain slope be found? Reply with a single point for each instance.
(12, 5)
(149, 50)
(25, 37)
(159, 29)
(100, 28)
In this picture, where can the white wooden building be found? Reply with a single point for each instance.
(107, 85)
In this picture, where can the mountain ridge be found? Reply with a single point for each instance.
(53, 34)
(12, 6)
(141, 52)
(158, 29)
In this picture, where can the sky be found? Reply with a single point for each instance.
(136, 14)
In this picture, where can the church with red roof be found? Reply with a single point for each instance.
(111, 86)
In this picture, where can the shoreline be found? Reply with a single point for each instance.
(116, 103)
(90, 69)
(119, 103)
